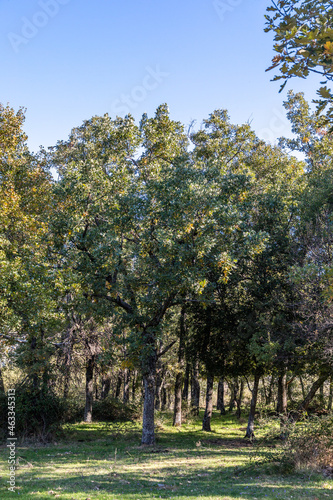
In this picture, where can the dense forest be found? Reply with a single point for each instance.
(144, 266)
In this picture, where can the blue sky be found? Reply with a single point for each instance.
(67, 60)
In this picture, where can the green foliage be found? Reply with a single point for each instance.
(303, 35)
(39, 414)
(111, 409)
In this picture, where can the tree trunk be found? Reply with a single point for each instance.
(239, 399)
(106, 385)
(270, 391)
(250, 425)
(163, 398)
(89, 388)
(177, 413)
(220, 396)
(195, 389)
(233, 393)
(119, 383)
(134, 382)
(302, 407)
(282, 394)
(302, 386)
(209, 404)
(159, 383)
(330, 397)
(149, 380)
(186, 382)
(126, 393)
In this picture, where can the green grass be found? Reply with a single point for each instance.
(105, 461)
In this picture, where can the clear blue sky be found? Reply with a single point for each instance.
(67, 60)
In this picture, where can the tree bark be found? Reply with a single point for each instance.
(177, 413)
(195, 389)
(220, 396)
(89, 388)
(250, 425)
(209, 404)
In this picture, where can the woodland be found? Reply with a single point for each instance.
(150, 266)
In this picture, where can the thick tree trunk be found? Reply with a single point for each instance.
(220, 396)
(177, 413)
(302, 407)
(239, 399)
(186, 383)
(250, 425)
(209, 404)
(89, 388)
(195, 388)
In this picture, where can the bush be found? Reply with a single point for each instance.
(309, 444)
(39, 414)
(111, 409)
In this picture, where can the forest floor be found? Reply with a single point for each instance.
(104, 461)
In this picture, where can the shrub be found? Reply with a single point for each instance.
(309, 444)
(111, 409)
(39, 414)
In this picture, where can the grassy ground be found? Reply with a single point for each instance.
(104, 461)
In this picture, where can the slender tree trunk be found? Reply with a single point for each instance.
(106, 385)
(127, 378)
(270, 391)
(118, 385)
(282, 394)
(302, 386)
(302, 407)
(250, 425)
(89, 388)
(220, 396)
(177, 413)
(159, 382)
(234, 386)
(239, 399)
(149, 380)
(330, 397)
(186, 382)
(209, 404)
(134, 382)
(195, 389)
(164, 401)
